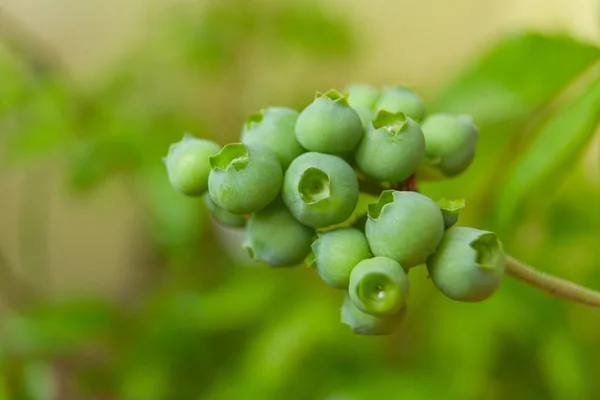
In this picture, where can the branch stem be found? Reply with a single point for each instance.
(552, 285)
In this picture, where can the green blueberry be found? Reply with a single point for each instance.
(391, 149)
(368, 324)
(362, 99)
(362, 95)
(400, 99)
(378, 286)
(244, 179)
(320, 190)
(451, 210)
(273, 128)
(336, 252)
(329, 125)
(188, 166)
(468, 264)
(275, 237)
(223, 216)
(404, 226)
(449, 142)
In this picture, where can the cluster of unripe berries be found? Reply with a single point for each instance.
(293, 181)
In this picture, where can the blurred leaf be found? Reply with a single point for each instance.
(177, 222)
(14, 80)
(550, 153)
(39, 381)
(561, 362)
(43, 123)
(502, 90)
(308, 27)
(513, 78)
(58, 327)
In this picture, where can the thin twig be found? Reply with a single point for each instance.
(38, 55)
(552, 285)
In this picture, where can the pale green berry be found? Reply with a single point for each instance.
(468, 264)
(223, 216)
(337, 252)
(404, 226)
(329, 125)
(368, 324)
(391, 149)
(362, 99)
(378, 286)
(450, 142)
(320, 190)
(362, 95)
(451, 210)
(273, 128)
(275, 237)
(188, 166)
(400, 99)
(244, 179)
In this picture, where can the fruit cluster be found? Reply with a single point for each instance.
(295, 180)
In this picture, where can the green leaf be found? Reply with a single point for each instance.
(515, 77)
(39, 381)
(44, 123)
(59, 327)
(502, 90)
(557, 143)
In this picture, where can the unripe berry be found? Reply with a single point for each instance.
(362, 95)
(273, 128)
(468, 264)
(320, 189)
(187, 164)
(451, 210)
(274, 236)
(367, 324)
(362, 99)
(329, 125)
(378, 286)
(337, 252)
(450, 142)
(244, 179)
(391, 149)
(404, 226)
(223, 216)
(400, 99)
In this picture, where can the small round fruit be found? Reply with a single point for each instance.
(468, 264)
(391, 149)
(329, 125)
(450, 142)
(223, 216)
(400, 99)
(362, 95)
(187, 164)
(337, 252)
(451, 210)
(273, 128)
(320, 189)
(275, 237)
(378, 286)
(404, 226)
(367, 324)
(244, 179)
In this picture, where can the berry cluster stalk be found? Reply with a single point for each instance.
(552, 285)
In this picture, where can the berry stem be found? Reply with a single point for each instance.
(552, 285)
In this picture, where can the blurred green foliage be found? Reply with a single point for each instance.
(206, 327)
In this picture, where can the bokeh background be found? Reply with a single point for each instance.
(113, 286)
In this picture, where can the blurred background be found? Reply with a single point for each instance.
(113, 286)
